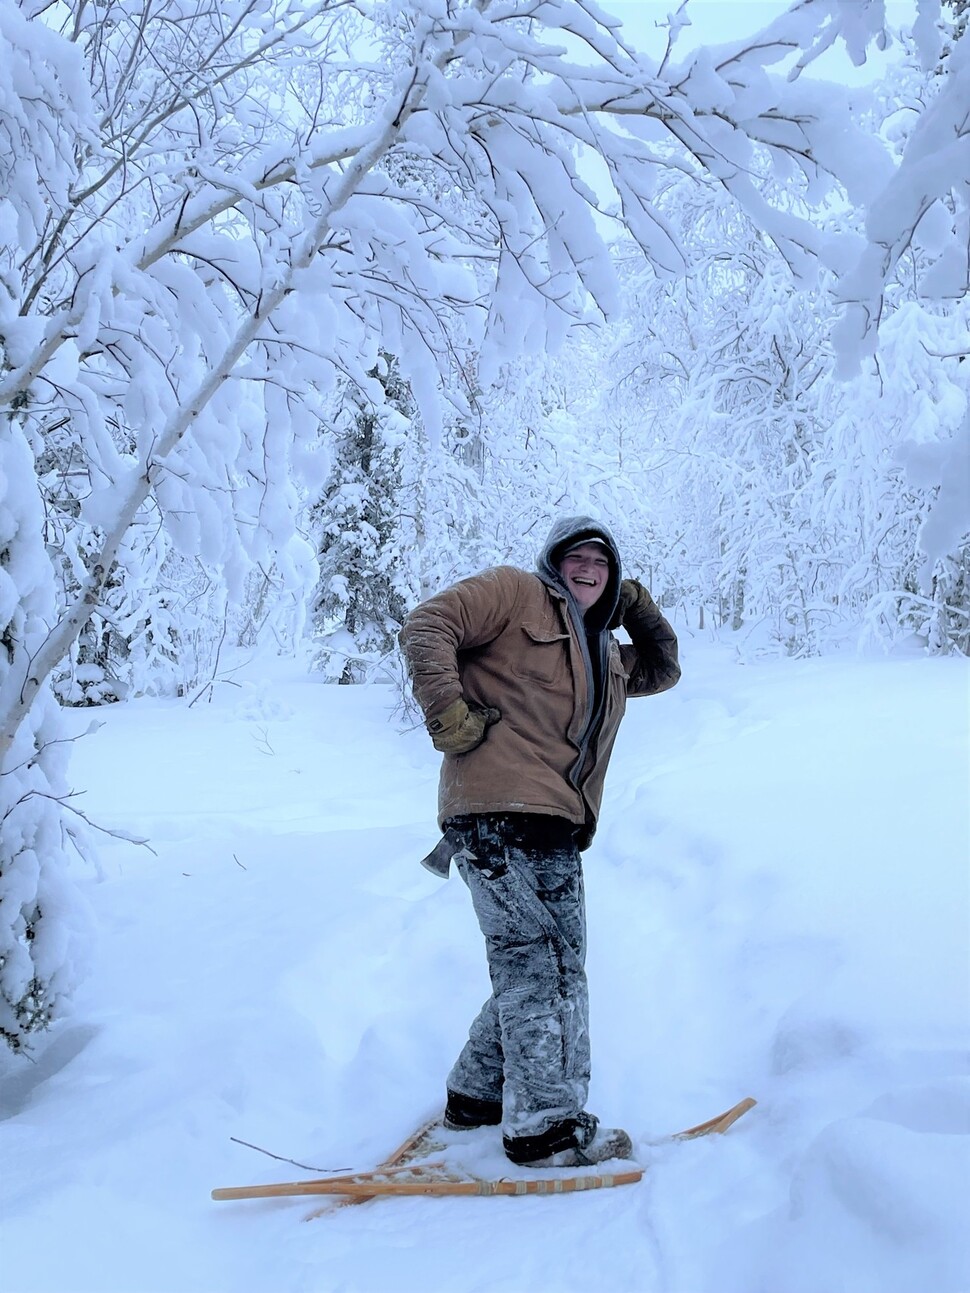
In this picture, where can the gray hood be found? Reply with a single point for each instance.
(566, 532)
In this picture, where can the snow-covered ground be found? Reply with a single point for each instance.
(778, 907)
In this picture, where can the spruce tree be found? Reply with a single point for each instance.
(358, 605)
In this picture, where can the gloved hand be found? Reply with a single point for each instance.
(461, 727)
(632, 592)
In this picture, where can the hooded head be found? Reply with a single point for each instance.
(568, 533)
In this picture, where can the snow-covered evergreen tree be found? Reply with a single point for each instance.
(43, 107)
(361, 597)
(40, 916)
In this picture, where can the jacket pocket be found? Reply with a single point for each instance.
(616, 695)
(616, 665)
(542, 657)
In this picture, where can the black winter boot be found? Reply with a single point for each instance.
(577, 1142)
(465, 1112)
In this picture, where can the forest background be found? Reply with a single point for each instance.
(308, 308)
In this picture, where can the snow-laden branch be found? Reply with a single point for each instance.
(933, 178)
(29, 671)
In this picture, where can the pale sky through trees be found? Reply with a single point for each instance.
(715, 22)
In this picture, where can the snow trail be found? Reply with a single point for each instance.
(777, 907)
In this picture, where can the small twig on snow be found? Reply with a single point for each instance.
(281, 1159)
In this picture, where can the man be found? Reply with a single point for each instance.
(523, 686)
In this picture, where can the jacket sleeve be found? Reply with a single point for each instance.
(651, 662)
(469, 614)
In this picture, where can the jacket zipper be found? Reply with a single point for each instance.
(592, 712)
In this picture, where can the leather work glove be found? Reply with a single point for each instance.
(461, 727)
(632, 593)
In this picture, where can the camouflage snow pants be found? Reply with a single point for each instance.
(529, 1046)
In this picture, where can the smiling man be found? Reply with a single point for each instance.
(586, 569)
(523, 686)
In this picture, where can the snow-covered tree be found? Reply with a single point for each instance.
(362, 598)
(777, 494)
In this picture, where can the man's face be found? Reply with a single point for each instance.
(586, 570)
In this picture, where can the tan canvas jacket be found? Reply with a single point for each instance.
(506, 639)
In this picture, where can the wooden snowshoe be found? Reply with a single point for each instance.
(415, 1169)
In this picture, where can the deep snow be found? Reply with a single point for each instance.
(778, 906)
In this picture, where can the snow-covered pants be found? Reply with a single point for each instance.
(529, 1046)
